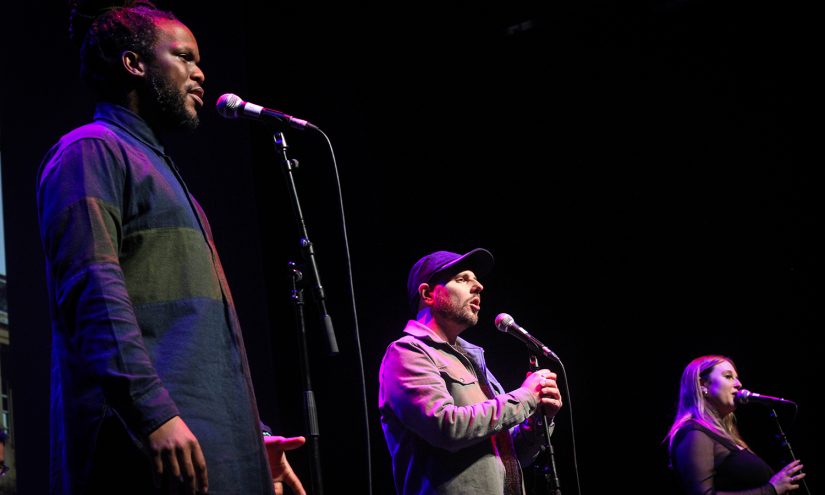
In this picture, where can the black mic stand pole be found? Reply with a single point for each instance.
(296, 297)
(310, 411)
(306, 245)
(783, 441)
(549, 471)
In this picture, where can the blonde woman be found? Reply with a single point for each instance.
(706, 450)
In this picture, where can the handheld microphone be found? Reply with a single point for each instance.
(746, 396)
(507, 324)
(231, 106)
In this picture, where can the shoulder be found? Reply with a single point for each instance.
(90, 156)
(412, 353)
(91, 131)
(696, 434)
(692, 432)
(407, 344)
(86, 139)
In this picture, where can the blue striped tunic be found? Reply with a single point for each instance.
(144, 326)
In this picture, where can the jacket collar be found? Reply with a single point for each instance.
(421, 331)
(129, 122)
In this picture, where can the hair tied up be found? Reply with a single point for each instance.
(82, 14)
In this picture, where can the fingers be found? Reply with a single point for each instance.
(551, 406)
(543, 373)
(184, 459)
(539, 380)
(793, 473)
(177, 457)
(292, 480)
(201, 475)
(157, 460)
(550, 395)
(278, 486)
(283, 443)
(171, 461)
(185, 469)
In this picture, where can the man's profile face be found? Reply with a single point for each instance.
(459, 298)
(173, 92)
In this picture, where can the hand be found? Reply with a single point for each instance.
(543, 385)
(178, 459)
(785, 480)
(281, 470)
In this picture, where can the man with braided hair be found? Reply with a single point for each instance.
(150, 383)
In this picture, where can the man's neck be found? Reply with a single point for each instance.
(444, 328)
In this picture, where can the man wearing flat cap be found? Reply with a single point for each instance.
(450, 427)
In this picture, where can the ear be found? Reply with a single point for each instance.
(425, 293)
(133, 63)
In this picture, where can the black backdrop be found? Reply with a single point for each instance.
(636, 168)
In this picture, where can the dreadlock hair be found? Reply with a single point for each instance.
(104, 31)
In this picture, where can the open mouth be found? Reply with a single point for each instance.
(475, 305)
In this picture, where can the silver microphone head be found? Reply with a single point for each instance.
(229, 106)
(503, 321)
(743, 396)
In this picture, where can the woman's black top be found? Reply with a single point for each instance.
(709, 464)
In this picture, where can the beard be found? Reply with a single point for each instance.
(167, 105)
(454, 311)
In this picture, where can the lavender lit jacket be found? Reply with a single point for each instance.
(438, 423)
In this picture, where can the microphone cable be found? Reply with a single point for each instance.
(572, 429)
(356, 331)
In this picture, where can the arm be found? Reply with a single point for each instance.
(80, 198)
(693, 460)
(414, 390)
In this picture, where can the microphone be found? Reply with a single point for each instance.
(746, 396)
(231, 106)
(508, 325)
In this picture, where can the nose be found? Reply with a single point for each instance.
(477, 287)
(197, 75)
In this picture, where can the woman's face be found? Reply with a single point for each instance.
(720, 388)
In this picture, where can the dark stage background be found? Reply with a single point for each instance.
(636, 169)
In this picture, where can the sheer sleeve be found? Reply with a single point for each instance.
(694, 461)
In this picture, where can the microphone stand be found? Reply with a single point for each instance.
(783, 441)
(310, 410)
(549, 471)
(297, 300)
(307, 249)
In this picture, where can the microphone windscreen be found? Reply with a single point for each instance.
(503, 321)
(229, 105)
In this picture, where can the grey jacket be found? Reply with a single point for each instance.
(438, 423)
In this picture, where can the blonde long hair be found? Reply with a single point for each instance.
(694, 407)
